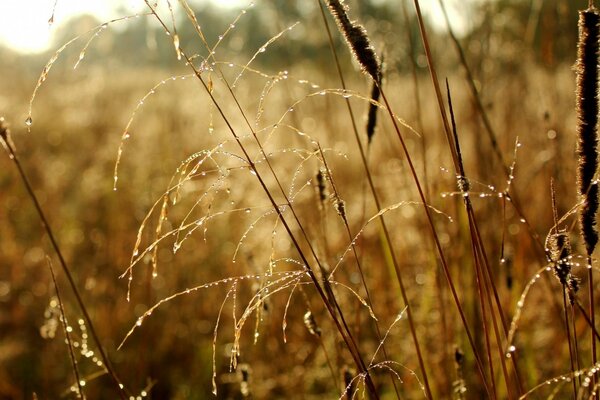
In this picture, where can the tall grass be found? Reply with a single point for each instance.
(301, 230)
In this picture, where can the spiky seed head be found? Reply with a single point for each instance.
(587, 123)
(357, 39)
(560, 255)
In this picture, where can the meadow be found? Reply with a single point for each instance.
(275, 202)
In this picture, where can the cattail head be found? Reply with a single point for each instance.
(321, 185)
(375, 94)
(573, 288)
(559, 253)
(357, 39)
(340, 207)
(587, 121)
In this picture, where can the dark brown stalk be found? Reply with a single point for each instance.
(331, 308)
(559, 255)
(4, 136)
(453, 152)
(572, 356)
(377, 201)
(359, 266)
(479, 258)
(475, 93)
(65, 324)
(587, 146)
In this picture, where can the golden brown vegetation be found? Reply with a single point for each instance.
(256, 239)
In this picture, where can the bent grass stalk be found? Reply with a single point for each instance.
(6, 141)
(379, 209)
(344, 331)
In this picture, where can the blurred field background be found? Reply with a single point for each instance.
(521, 54)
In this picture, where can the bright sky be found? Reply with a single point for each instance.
(24, 23)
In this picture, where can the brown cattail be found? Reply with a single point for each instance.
(375, 94)
(321, 185)
(587, 120)
(574, 288)
(357, 39)
(559, 253)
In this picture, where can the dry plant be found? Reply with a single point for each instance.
(270, 247)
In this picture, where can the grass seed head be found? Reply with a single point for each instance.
(587, 121)
(357, 38)
(560, 256)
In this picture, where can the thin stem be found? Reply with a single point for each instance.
(386, 233)
(344, 331)
(65, 268)
(65, 325)
(571, 354)
(592, 315)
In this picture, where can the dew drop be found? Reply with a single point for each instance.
(28, 121)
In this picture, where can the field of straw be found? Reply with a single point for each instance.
(303, 200)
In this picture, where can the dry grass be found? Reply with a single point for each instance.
(251, 249)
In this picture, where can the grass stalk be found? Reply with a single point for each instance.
(377, 201)
(65, 324)
(4, 135)
(332, 308)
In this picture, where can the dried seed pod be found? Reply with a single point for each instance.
(372, 115)
(574, 288)
(559, 252)
(357, 39)
(321, 185)
(587, 121)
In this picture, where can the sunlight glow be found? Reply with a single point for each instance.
(24, 24)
